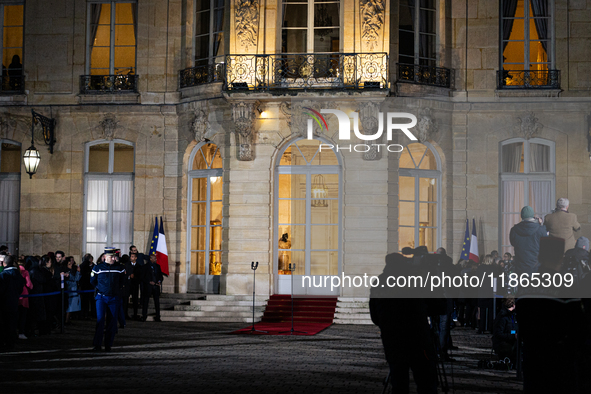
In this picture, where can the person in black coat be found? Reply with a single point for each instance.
(504, 338)
(11, 287)
(87, 299)
(525, 239)
(152, 282)
(134, 277)
(406, 336)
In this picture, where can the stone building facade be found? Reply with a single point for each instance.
(197, 111)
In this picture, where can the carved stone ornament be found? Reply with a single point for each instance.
(369, 120)
(109, 124)
(372, 21)
(285, 108)
(247, 22)
(200, 125)
(427, 125)
(244, 117)
(528, 125)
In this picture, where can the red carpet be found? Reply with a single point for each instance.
(310, 315)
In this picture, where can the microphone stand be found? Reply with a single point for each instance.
(292, 331)
(253, 267)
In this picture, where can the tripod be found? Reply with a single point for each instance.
(292, 331)
(253, 267)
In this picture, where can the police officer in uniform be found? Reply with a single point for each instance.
(107, 277)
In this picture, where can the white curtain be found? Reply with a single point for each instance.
(512, 157)
(539, 158)
(9, 212)
(540, 197)
(513, 201)
(122, 211)
(97, 207)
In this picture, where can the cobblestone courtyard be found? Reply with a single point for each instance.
(202, 358)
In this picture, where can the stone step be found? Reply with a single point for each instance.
(353, 299)
(214, 319)
(227, 303)
(221, 297)
(353, 321)
(210, 314)
(218, 308)
(349, 316)
(353, 310)
(359, 305)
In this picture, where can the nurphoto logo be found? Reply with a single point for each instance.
(345, 129)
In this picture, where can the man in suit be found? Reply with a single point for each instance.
(562, 224)
(152, 282)
(134, 278)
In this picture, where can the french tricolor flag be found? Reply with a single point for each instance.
(474, 244)
(162, 250)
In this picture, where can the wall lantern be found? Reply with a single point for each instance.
(31, 157)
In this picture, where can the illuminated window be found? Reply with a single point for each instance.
(205, 219)
(209, 32)
(10, 181)
(416, 31)
(527, 41)
(108, 202)
(419, 197)
(527, 178)
(11, 46)
(111, 38)
(310, 26)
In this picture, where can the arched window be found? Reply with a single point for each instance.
(10, 183)
(527, 178)
(307, 214)
(204, 235)
(108, 190)
(419, 197)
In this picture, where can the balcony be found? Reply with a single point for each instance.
(528, 79)
(425, 75)
(12, 84)
(200, 75)
(293, 72)
(108, 84)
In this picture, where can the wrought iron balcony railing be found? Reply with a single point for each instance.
(200, 75)
(101, 84)
(528, 79)
(306, 71)
(14, 84)
(425, 75)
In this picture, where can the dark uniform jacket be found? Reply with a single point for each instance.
(108, 278)
(136, 271)
(525, 238)
(151, 273)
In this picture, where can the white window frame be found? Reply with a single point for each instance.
(417, 173)
(526, 177)
(551, 52)
(12, 176)
(111, 35)
(310, 27)
(197, 174)
(109, 176)
(211, 58)
(309, 170)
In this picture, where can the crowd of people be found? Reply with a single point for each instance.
(551, 327)
(31, 297)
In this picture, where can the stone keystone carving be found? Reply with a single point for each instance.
(247, 22)
(427, 125)
(109, 124)
(372, 20)
(244, 117)
(200, 125)
(368, 116)
(528, 125)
